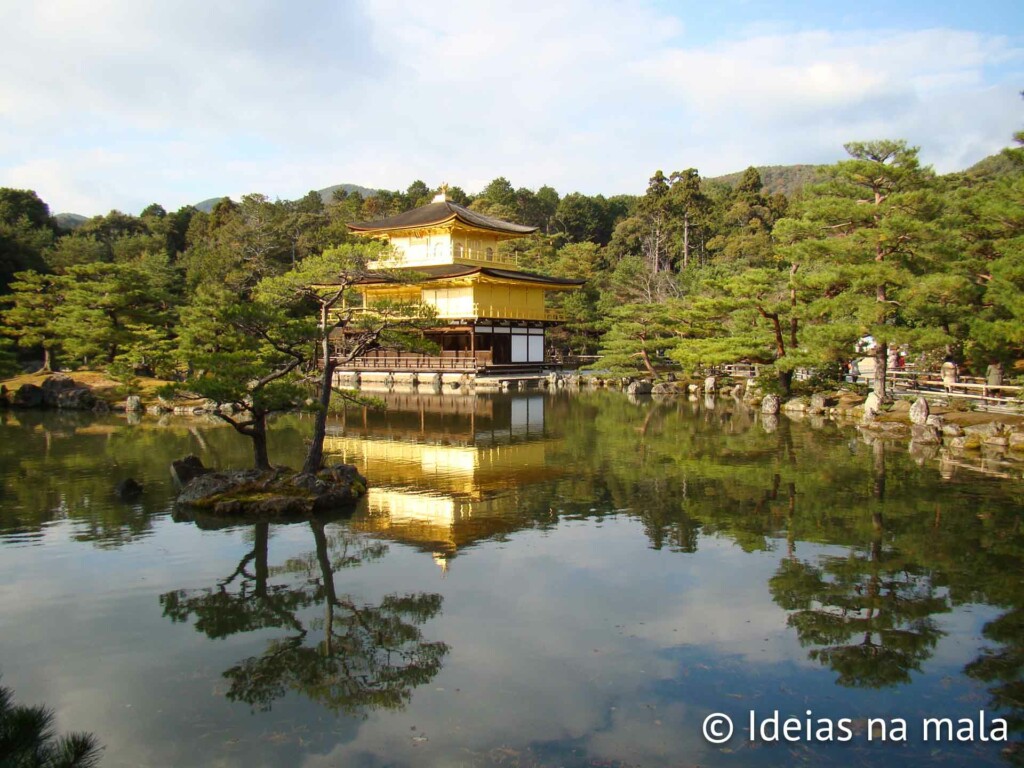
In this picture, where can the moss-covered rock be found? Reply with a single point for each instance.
(273, 495)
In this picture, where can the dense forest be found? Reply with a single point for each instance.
(693, 273)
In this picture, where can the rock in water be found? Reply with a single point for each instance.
(28, 396)
(186, 469)
(274, 494)
(770, 404)
(642, 387)
(924, 434)
(133, 404)
(919, 411)
(128, 489)
(872, 407)
(710, 385)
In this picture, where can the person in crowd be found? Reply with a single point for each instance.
(854, 371)
(994, 374)
(949, 372)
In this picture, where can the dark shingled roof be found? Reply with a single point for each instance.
(444, 271)
(436, 213)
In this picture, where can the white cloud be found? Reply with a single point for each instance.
(118, 104)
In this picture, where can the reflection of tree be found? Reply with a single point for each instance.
(359, 656)
(64, 465)
(868, 614)
(1003, 669)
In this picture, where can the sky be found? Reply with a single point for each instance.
(116, 104)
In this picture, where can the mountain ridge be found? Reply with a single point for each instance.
(787, 179)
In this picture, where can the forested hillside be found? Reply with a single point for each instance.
(784, 179)
(692, 273)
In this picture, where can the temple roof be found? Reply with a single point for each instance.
(439, 213)
(448, 271)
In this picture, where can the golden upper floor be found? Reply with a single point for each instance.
(441, 233)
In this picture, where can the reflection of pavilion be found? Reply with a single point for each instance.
(445, 472)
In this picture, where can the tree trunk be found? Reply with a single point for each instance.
(47, 363)
(786, 382)
(315, 454)
(259, 442)
(686, 242)
(647, 363)
(881, 361)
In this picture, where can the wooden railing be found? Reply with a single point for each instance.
(386, 360)
(482, 311)
(966, 387)
(449, 256)
(489, 312)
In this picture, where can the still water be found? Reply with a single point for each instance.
(532, 581)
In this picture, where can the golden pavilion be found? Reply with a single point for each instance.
(491, 316)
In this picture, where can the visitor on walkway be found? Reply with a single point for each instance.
(949, 372)
(994, 374)
(854, 372)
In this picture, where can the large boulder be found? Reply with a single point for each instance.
(770, 404)
(710, 385)
(275, 494)
(641, 387)
(984, 431)
(822, 400)
(872, 407)
(133, 404)
(924, 434)
(28, 396)
(919, 411)
(55, 386)
(187, 469)
(76, 399)
(665, 388)
(331, 487)
(210, 484)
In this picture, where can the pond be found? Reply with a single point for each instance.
(532, 580)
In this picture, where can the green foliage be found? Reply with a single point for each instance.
(8, 360)
(637, 338)
(26, 230)
(30, 317)
(877, 246)
(28, 740)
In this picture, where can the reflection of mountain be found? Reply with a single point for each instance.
(446, 471)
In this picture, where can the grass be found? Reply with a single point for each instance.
(101, 384)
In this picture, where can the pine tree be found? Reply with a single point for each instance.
(30, 318)
(861, 241)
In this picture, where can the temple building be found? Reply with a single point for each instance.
(491, 316)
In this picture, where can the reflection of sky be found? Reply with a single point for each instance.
(571, 642)
(580, 636)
